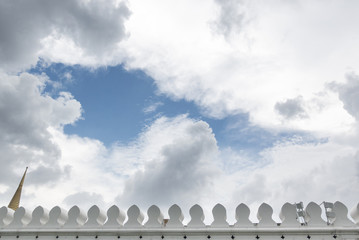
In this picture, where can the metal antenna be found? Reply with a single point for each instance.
(301, 215)
(329, 213)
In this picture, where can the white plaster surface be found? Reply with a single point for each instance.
(96, 224)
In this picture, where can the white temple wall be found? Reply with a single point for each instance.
(98, 224)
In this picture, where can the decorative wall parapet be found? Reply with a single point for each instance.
(96, 223)
(355, 213)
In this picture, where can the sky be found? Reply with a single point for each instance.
(179, 102)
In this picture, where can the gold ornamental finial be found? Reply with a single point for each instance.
(15, 201)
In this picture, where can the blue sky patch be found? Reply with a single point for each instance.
(118, 104)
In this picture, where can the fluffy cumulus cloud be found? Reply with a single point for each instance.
(183, 165)
(84, 32)
(250, 56)
(175, 160)
(26, 115)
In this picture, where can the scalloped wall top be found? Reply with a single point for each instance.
(115, 217)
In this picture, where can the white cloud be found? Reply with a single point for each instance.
(226, 56)
(3, 188)
(67, 76)
(152, 107)
(272, 51)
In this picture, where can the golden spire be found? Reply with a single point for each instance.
(15, 201)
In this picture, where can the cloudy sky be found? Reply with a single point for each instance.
(163, 102)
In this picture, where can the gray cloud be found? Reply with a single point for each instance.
(231, 17)
(183, 170)
(26, 116)
(47, 174)
(349, 94)
(254, 189)
(291, 108)
(86, 199)
(94, 26)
